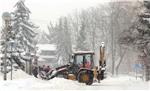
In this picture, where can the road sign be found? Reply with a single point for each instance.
(138, 67)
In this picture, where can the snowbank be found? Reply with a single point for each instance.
(24, 82)
(18, 74)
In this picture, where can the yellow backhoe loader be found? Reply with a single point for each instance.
(81, 67)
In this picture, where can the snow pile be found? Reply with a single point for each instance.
(36, 84)
(60, 83)
(16, 74)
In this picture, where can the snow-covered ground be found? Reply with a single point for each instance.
(22, 81)
(17, 74)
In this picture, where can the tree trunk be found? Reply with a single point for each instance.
(117, 67)
(147, 73)
(147, 64)
(121, 59)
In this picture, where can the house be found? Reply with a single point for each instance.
(46, 54)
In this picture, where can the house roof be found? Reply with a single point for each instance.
(51, 47)
(83, 52)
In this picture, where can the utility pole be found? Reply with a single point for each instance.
(112, 37)
(113, 63)
(6, 17)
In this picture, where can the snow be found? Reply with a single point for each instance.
(23, 82)
(82, 52)
(46, 52)
(1, 55)
(46, 47)
(44, 58)
(29, 28)
(17, 74)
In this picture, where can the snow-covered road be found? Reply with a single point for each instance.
(29, 83)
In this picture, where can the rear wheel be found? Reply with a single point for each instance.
(102, 75)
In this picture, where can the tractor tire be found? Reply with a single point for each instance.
(89, 83)
(85, 76)
(82, 76)
(102, 75)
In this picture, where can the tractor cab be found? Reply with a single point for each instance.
(82, 65)
(83, 59)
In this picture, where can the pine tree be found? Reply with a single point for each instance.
(6, 43)
(23, 28)
(23, 36)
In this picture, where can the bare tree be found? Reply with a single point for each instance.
(138, 36)
(121, 16)
(60, 35)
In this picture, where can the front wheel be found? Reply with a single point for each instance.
(85, 76)
(89, 82)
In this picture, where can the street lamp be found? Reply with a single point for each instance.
(6, 17)
(11, 42)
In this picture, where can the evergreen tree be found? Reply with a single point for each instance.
(20, 35)
(23, 28)
(6, 40)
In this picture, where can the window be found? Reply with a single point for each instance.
(87, 60)
(79, 59)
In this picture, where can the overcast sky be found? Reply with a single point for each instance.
(44, 11)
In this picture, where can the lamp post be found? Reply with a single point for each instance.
(6, 17)
(11, 42)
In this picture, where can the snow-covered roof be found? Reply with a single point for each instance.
(42, 59)
(46, 47)
(83, 52)
(43, 56)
